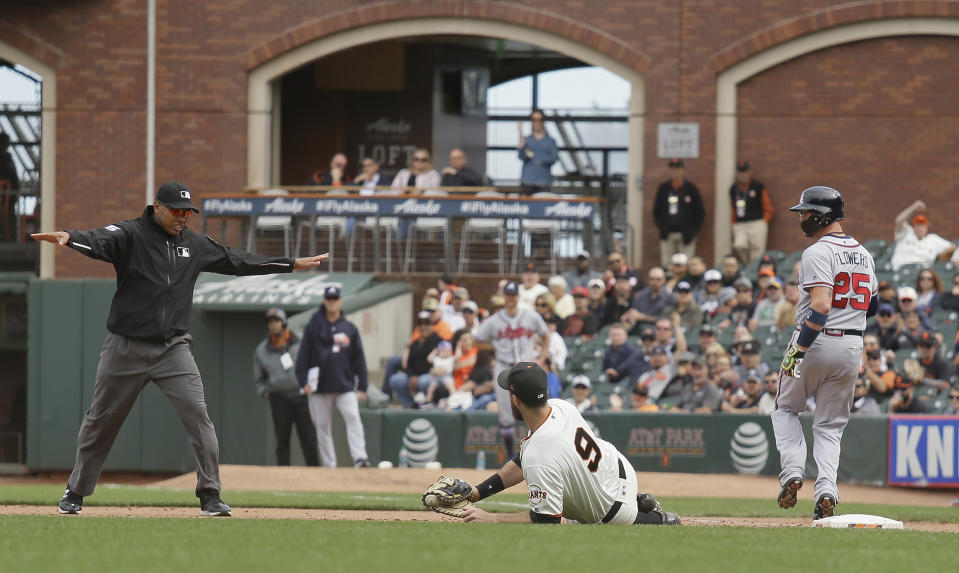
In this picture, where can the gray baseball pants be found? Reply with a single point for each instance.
(828, 372)
(321, 410)
(126, 366)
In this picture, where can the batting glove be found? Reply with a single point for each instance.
(791, 361)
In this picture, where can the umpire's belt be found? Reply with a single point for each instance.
(616, 504)
(841, 332)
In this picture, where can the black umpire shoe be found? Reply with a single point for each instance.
(212, 506)
(71, 503)
(789, 494)
(825, 507)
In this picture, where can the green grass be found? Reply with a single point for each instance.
(47, 543)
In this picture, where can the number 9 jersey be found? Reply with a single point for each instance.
(842, 264)
(572, 473)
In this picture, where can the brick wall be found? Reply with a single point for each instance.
(874, 117)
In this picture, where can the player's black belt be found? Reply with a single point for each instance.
(841, 332)
(616, 504)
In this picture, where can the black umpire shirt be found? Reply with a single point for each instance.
(156, 272)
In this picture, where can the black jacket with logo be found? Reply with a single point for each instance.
(156, 272)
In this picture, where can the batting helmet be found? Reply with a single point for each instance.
(827, 204)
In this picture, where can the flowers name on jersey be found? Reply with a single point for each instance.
(536, 494)
(511, 333)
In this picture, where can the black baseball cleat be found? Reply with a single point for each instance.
(71, 503)
(212, 506)
(363, 463)
(825, 507)
(670, 518)
(789, 493)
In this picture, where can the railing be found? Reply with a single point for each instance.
(569, 223)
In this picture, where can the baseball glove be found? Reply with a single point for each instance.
(449, 496)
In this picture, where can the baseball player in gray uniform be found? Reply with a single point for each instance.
(838, 289)
(511, 335)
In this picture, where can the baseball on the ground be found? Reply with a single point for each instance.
(385, 465)
(431, 500)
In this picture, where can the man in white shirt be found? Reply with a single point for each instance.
(570, 472)
(914, 243)
(531, 287)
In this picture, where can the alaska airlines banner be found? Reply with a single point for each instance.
(399, 207)
(924, 451)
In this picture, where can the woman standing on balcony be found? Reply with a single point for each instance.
(538, 152)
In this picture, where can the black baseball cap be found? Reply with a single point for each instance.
(749, 347)
(707, 329)
(527, 380)
(742, 166)
(332, 291)
(927, 339)
(647, 333)
(511, 288)
(175, 195)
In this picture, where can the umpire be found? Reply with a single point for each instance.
(275, 380)
(157, 260)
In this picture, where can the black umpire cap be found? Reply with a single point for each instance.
(176, 196)
(527, 380)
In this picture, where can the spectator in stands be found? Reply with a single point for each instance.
(907, 304)
(451, 312)
(701, 396)
(750, 360)
(638, 401)
(616, 267)
(597, 298)
(545, 305)
(786, 311)
(712, 353)
(914, 243)
(336, 175)
(565, 305)
(862, 402)
(440, 326)
(669, 335)
(682, 377)
(768, 308)
(530, 288)
(620, 359)
(707, 336)
(442, 361)
(905, 400)
(694, 275)
(887, 293)
(662, 371)
(938, 371)
(619, 306)
(445, 285)
(952, 408)
(582, 322)
(763, 278)
(879, 377)
(412, 377)
(722, 374)
(480, 381)
(690, 315)
(458, 174)
(647, 340)
(418, 176)
(678, 269)
(582, 397)
(370, 177)
(471, 316)
(553, 384)
(730, 270)
(538, 152)
(743, 307)
(649, 303)
(678, 212)
(746, 399)
(709, 298)
(464, 357)
(555, 345)
(887, 326)
(582, 272)
(767, 403)
(950, 299)
(752, 211)
(928, 290)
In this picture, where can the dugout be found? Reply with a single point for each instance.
(67, 326)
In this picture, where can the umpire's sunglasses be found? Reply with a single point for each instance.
(176, 212)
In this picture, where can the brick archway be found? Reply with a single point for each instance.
(793, 39)
(34, 55)
(314, 40)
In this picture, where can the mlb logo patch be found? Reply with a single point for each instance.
(185, 194)
(183, 252)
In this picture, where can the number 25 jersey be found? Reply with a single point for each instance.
(842, 264)
(568, 470)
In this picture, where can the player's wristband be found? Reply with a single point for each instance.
(808, 334)
(492, 485)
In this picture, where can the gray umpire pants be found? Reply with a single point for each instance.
(126, 366)
(829, 373)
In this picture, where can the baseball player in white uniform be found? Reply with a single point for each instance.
(838, 289)
(511, 335)
(570, 472)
